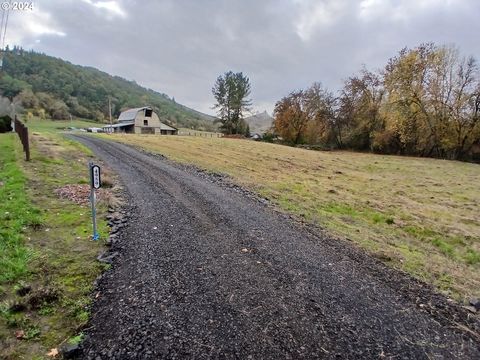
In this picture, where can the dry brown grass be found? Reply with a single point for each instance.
(421, 215)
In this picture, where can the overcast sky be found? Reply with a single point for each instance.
(179, 47)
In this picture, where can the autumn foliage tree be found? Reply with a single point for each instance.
(359, 116)
(291, 118)
(305, 116)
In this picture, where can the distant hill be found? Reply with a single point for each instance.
(259, 123)
(56, 88)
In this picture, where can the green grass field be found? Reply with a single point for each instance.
(420, 215)
(44, 244)
(49, 126)
(17, 213)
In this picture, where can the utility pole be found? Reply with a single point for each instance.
(110, 109)
(110, 112)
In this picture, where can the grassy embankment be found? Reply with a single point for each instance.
(44, 245)
(420, 215)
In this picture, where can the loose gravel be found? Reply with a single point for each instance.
(203, 269)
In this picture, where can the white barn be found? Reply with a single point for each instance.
(141, 120)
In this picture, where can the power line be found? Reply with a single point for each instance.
(6, 23)
(2, 38)
(1, 26)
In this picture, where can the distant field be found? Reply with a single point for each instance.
(420, 215)
(58, 125)
(53, 126)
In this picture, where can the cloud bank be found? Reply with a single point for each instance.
(180, 47)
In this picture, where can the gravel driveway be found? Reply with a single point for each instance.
(205, 271)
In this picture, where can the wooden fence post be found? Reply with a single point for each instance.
(27, 145)
(22, 132)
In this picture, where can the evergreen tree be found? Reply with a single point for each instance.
(231, 92)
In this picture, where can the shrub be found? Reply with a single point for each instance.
(5, 124)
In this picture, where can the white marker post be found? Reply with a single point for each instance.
(95, 183)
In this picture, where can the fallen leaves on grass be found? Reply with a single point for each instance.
(79, 194)
(53, 352)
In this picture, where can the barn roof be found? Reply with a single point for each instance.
(123, 124)
(130, 114)
(166, 127)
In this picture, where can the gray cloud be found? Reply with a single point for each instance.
(180, 46)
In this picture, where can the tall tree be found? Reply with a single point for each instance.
(291, 118)
(306, 116)
(360, 110)
(320, 105)
(231, 91)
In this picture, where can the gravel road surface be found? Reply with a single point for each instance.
(206, 271)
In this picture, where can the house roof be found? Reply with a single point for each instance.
(130, 114)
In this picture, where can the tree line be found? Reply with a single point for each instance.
(424, 102)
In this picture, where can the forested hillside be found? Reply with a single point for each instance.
(51, 87)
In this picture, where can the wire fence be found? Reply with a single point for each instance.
(22, 132)
(200, 134)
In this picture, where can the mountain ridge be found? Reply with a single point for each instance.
(260, 122)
